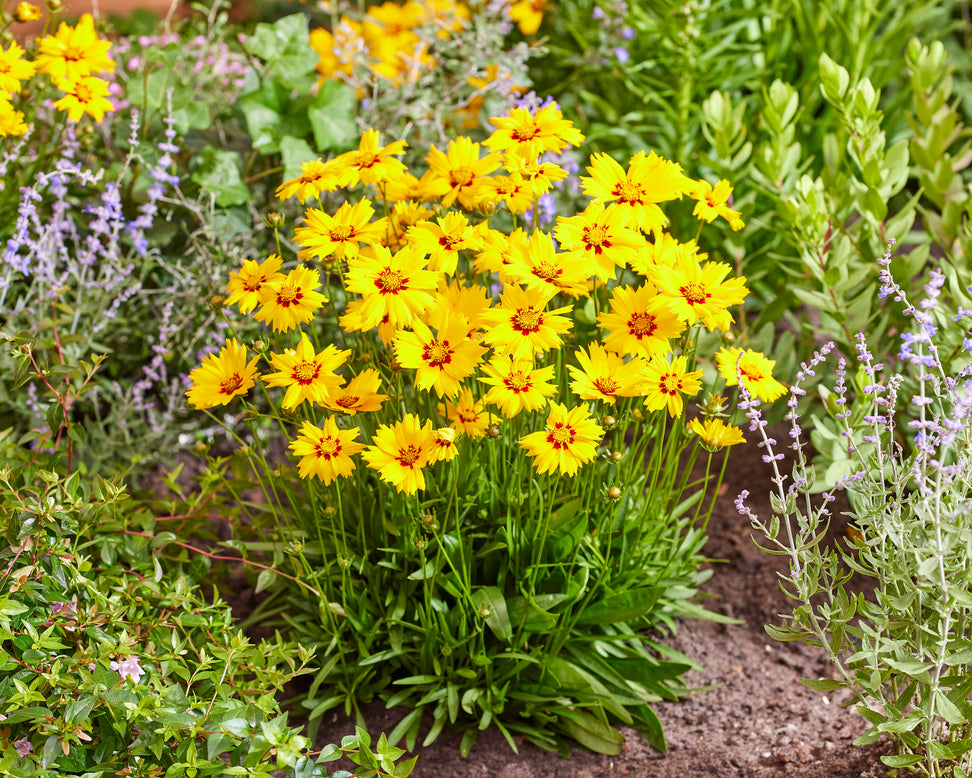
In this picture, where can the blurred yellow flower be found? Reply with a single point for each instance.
(74, 52)
(533, 134)
(86, 95)
(528, 14)
(712, 203)
(755, 371)
(27, 12)
(715, 434)
(14, 69)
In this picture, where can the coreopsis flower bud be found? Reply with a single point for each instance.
(27, 12)
(608, 422)
(274, 220)
(493, 431)
(329, 511)
(616, 456)
(614, 493)
(54, 5)
(637, 415)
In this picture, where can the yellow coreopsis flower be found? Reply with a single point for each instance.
(341, 233)
(442, 443)
(221, 378)
(14, 69)
(701, 292)
(441, 360)
(648, 180)
(715, 434)
(528, 14)
(27, 12)
(315, 177)
(397, 286)
(246, 287)
(290, 301)
(521, 326)
(442, 240)
(512, 190)
(467, 414)
(600, 237)
(603, 375)
(452, 175)
(74, 52)
(87, 95)
(639, 322)
(666, 383)
(360, 394)
(399, 452)
(405, 215)
(11, 120)
(517, 385)
(712, 203)
(755, 370)
(533, 134)
(371, 163)
(326, 451)
(459, 299)
(541, 176)
(537, 266)
(569, 440)
(305, 374)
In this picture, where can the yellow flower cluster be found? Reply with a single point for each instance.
(480, 316)
(385, 42)
(73, 58)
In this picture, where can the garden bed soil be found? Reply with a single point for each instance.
(758, 721)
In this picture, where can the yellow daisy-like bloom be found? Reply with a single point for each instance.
(517, 385)
(639, 322)
(460, 300)
(27, 12)
(398, 287)
(441, 361)
(665, 251)
(442, 240)
(406, 187)
(74, 52)
(361, 394)
(541, 176)
(467, 414)
(87, 95)
(14, 69)
(11, 120)
(599, 236)
(453, 175)
(371, 163)
(697, 292)
(443, 443)
(666, 383)
(246, 286)
(326, 451)
(538, 267)
(399, 452)
(315, 177)
(712, 204)
(569, 440)
(341, 233)
(648, 180)
(493, 256)
(533, 134)
(405, 215)
(351, 321)
(290, 301)
(220, 378)
(716, 434)
(521, 327)
(603, 375)
(755, 370)
(306, 374)
(528, 14)
(513, 191)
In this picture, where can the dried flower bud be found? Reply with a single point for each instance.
(259, 345)
(329, 511)
(485, 613)
(420, 545)
(637, 415)
(616, 456)
(216, 300)
(394, 365)
(493, 431)
(54, 5)
(614, 493)
(608, 422)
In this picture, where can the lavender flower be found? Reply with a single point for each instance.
(23, 746)
(128, 668)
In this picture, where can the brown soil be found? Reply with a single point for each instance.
(759, 721)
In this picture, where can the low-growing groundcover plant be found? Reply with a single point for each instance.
(494, 489)
(903, 646)
(112, 661)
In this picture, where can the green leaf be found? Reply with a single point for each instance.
(265, 580)
(901, 760)
(295, 151)
(626, 606)
(163, 539)
(491, 605)
(591, 732)
(218, 173)
(822, 684)
(285, 48)
(332, 116)
(78, 710)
